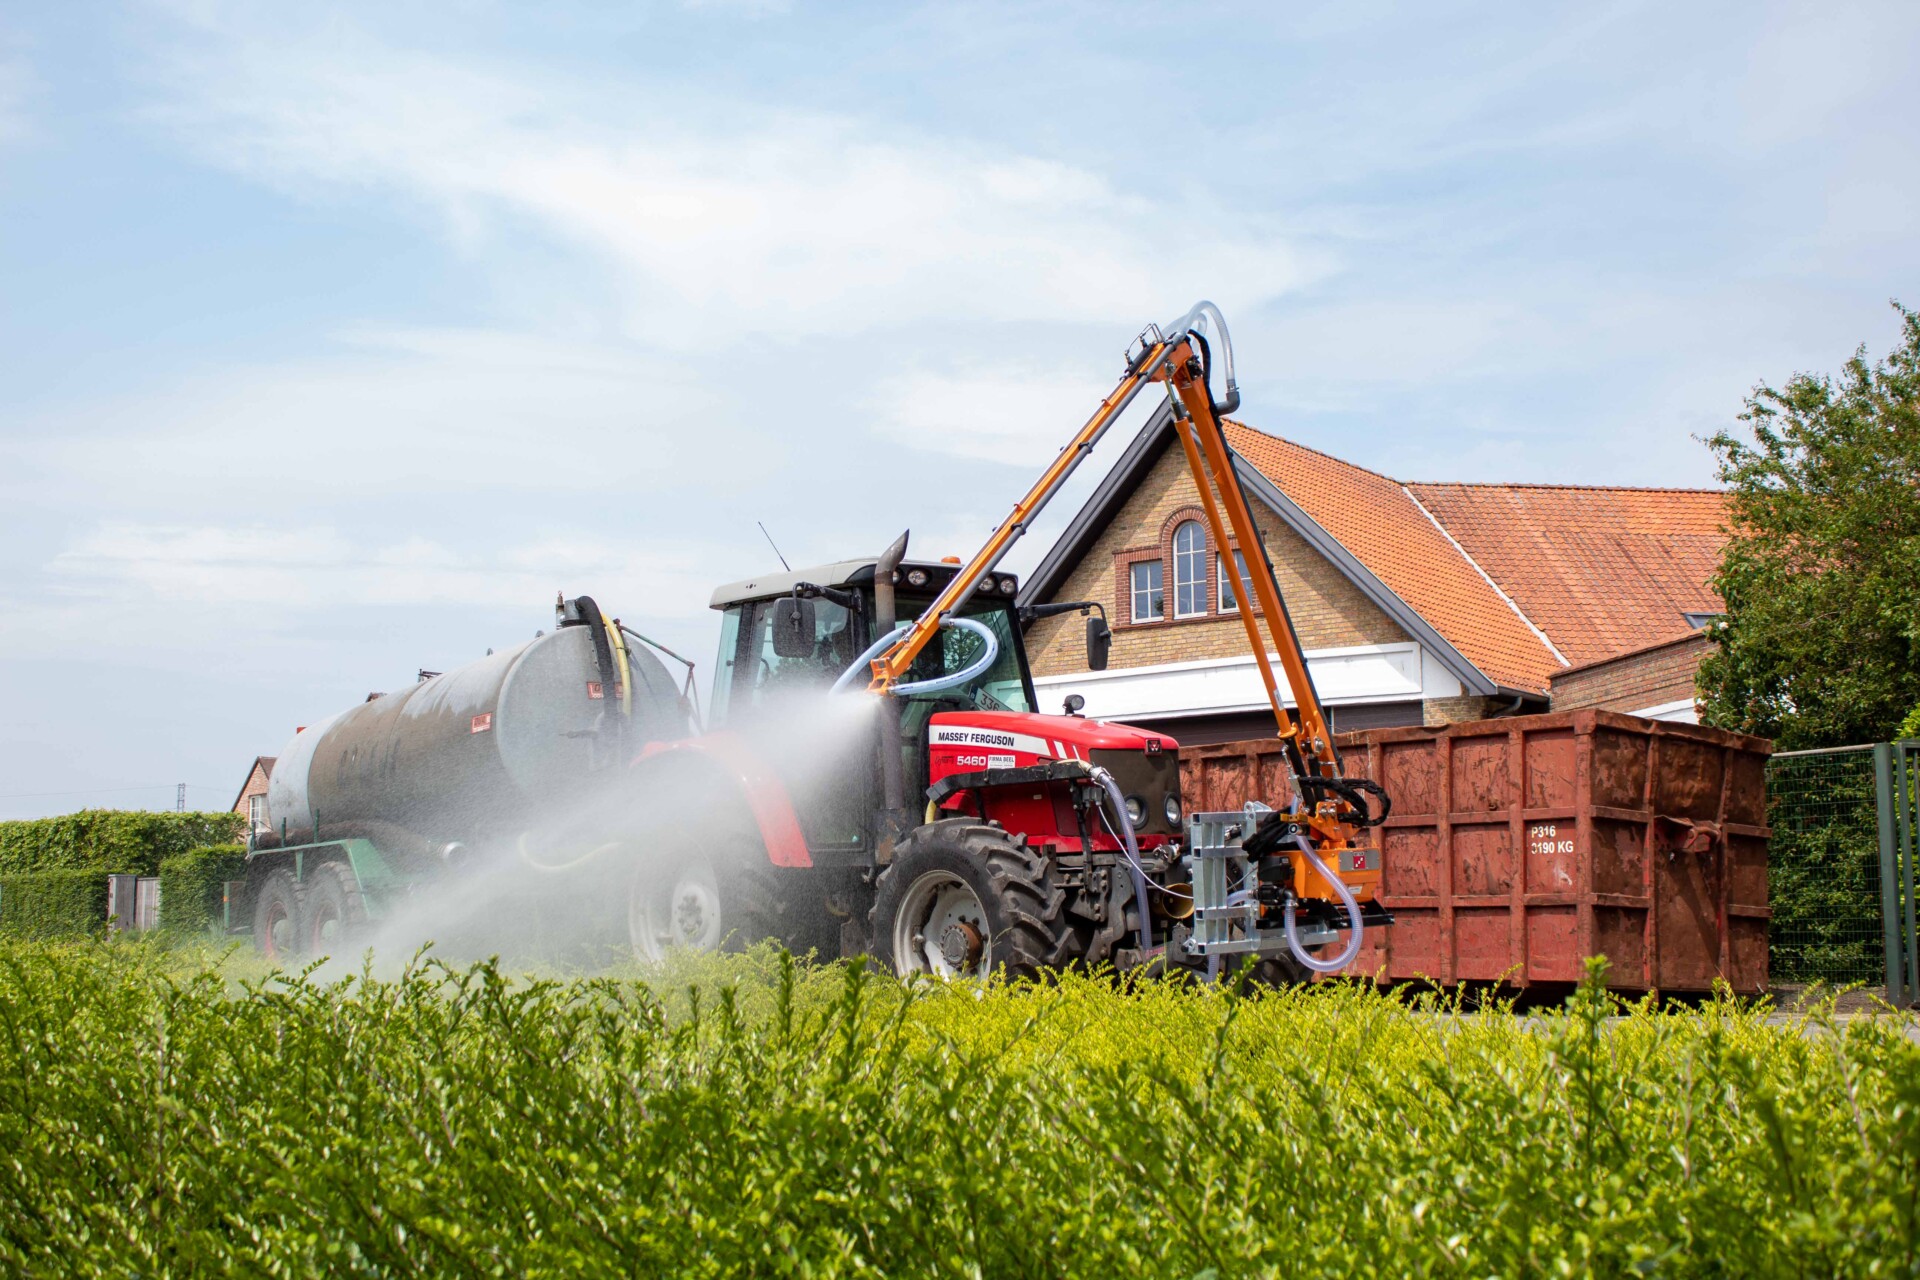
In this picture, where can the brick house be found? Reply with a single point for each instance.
(252, 799)
(1415, 602)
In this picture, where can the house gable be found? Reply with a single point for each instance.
(1283, 523)
(1328, 609)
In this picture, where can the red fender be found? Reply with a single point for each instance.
(765, 794)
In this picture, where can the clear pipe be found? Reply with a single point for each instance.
(865, 660)
(1352, 948)
(979, 667)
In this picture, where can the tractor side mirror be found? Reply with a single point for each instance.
(793, 627)
(1099, 642)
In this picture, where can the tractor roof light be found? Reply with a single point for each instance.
(916, 577)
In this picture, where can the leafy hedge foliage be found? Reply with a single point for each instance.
(118, 840)
(53, 904)
(765, 1120)
(191, 885)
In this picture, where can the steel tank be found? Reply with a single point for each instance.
(471, 756)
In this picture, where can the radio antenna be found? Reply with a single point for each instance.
(776, 549)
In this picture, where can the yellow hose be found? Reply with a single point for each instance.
(625, 671)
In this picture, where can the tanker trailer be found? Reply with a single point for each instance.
(505, 761)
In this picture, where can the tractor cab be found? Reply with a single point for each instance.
(803, 629)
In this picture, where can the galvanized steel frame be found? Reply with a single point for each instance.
(1896, 775)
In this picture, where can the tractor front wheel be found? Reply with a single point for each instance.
(965, 899)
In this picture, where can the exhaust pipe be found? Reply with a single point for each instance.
(893, 792)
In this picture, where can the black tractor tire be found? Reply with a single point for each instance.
(1024, 927)
(336, 916)
(280, 917)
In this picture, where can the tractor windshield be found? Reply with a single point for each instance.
(1002, 686)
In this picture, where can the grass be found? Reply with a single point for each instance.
(169, 1113)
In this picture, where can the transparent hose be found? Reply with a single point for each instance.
(865, 660)
(1352, 948)
(979, 667)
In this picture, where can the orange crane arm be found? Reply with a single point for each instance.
(1174, 358)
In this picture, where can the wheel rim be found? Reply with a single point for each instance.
(675, 907)
(279, 930)
(941, 929)
(326, 926)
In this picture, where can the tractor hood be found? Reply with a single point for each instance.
(1030, 734)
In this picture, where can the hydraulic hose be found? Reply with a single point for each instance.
(1118, 802)
(1352, 948)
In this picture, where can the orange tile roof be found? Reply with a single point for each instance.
(1600, 570)
(1493, 567)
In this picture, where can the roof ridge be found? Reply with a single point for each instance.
(1318, 453)
(1536, 484)
(1488, 578)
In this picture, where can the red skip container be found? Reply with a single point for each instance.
(1518, 847)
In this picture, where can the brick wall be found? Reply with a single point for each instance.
(256, 785)
(1328, 610)
(1644, 678)
(1439, 711)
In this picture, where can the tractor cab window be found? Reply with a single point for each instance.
(769, 667)
(999, 688)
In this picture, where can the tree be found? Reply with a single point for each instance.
(1820, 645)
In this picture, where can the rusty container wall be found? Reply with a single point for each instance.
(1518, 847)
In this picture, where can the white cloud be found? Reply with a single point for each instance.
(720, 217)
(1018, 414)
(418, 413)
(268, 573)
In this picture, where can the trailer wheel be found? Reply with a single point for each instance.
(279, 917)
(965, 899)
(698, 903)
(334, 909)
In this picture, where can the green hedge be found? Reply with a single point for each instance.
(118, 840)
(191, 885)
(52, 904)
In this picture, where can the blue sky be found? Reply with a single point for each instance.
(335, 340)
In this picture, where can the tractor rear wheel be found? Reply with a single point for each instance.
(965, 899)
(334, 910)
(279, 917)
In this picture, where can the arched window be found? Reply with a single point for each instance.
(1189, 571)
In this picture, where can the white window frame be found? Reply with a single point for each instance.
(1231, 588)
(1190, 570)
(257, 812)
(1143, 594)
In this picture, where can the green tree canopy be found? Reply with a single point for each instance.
(1821, 641)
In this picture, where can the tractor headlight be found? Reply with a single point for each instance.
(1172, 809)
(916, 577)
(1136, 811)
(1008, 586)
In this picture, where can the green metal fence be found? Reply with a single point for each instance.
(1841, 867)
